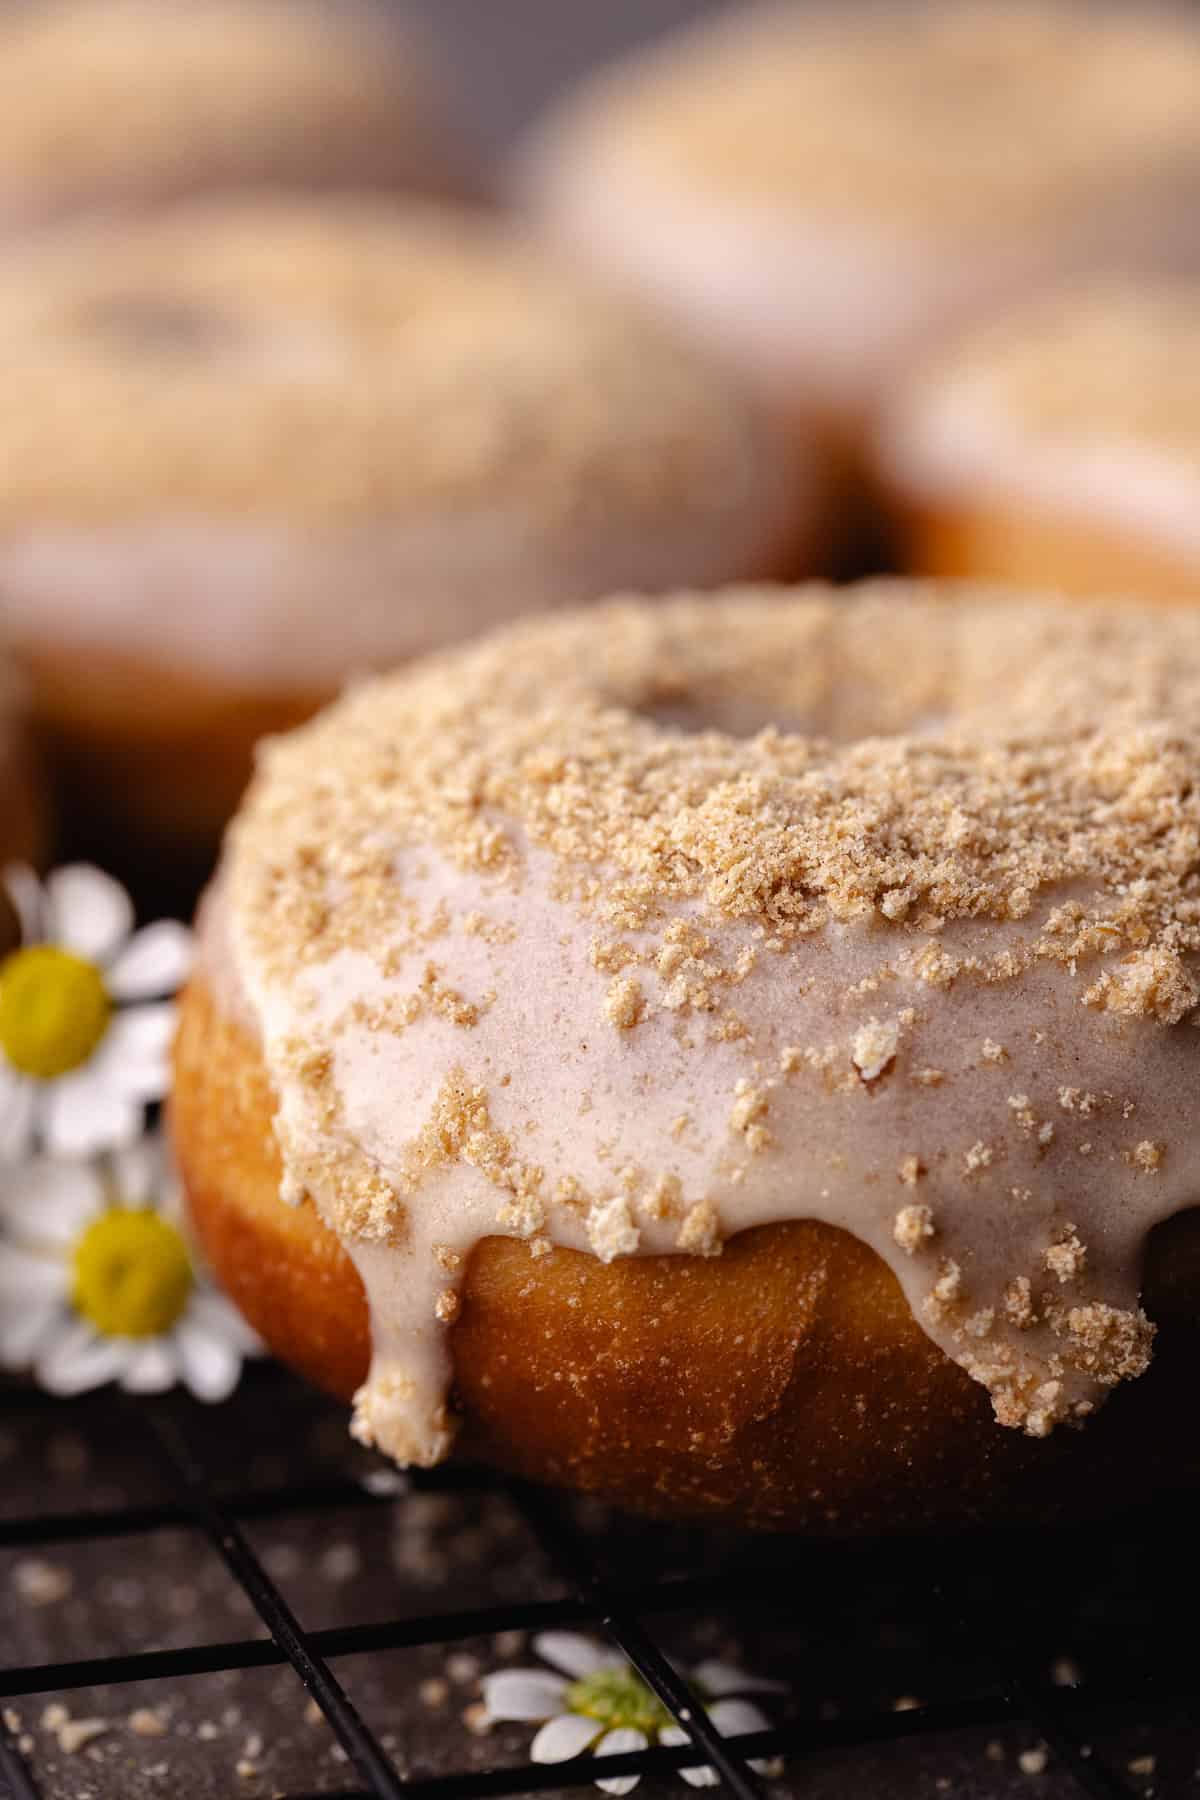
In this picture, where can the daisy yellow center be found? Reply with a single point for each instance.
(131, 1274)
(616, 1698)
(54, 1010)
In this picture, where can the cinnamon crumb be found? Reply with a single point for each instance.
(1018, 1302)
(74, 1734)
(147, 1721)
(611, 1230)
(873, 1048)
(1067, 1256)
(747, 1113)
(913, 1227)
(624, 1004)
(700, 1232)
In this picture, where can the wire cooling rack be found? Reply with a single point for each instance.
(1078, 1646)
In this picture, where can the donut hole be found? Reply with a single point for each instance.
(838, 716)
(735, 715)
(158, 324)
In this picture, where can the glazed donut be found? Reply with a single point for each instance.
(254, 446)
(739, 1048)
(822, 190)
(211, 94)
(1059, 444)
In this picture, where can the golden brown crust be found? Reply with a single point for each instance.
(784, 1384)
(992, 541)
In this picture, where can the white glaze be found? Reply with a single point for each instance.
(279, 606)
(835, 1156)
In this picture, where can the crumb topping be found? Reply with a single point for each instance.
(1068, 739)
(874, 1046)
(913, 1227)
(236, 83)
(344, 360)
(696, 1007)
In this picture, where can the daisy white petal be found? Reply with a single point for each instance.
(523, 1694)
(155, 961)
(81, 1116)
(137, 1172)
(152, 1367)
(734, 1718)
(133, 1057)
(26, 1327)
(23, 1273)
(718, 1678)
(33, 1293)
(45, 1202)
(563, 1737)
(78, 1360)
(208, 1363)
(705, 1775)
(87, 912)
(25, 891)
(18, 1114)
(574, 1655)
(613, 1743)
(737, 1718)
(216, 1315)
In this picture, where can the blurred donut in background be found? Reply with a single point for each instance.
(822, 189)
(1064, 439)
(249, 448)
(113, 105)
(22, 810)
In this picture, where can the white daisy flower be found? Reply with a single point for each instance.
(597, 1701)
(79, 1059)
(98, 1282)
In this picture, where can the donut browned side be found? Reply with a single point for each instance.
(119, 731)
(782, 1385)
(996, 542)
(1056, 444)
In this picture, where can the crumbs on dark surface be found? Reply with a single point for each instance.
(852, 1630)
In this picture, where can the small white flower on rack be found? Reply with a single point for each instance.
(98, 1283)
(597, 1701)
(79, 1057)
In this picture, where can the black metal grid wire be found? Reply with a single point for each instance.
(1017, 1691)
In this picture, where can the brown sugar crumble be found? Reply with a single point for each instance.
(913, 1227)
(874, 1046)
(1066, 1258)
(624, 1004)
